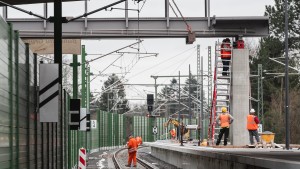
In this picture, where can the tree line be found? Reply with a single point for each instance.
(273, 85)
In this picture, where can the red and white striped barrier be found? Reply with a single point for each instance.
(82, 159)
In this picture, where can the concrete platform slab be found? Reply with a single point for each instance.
(195, 157)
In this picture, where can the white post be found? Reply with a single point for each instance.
(82, 158)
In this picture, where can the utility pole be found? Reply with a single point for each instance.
(209, 88)
(107, 102)
(179, 113)
(202, 99)
(75, 66)
(205, 8)
(190, 111)
(287, 116)
(83, 78)
(209, 93)
(83, 88)
(58, 56)
(87, 103)
(260, 97)
(155, 104)
(198, 88)
(155, 86)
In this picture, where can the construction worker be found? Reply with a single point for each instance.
(252, 126)
(132, 149)
(224, 119)
(139, 140)
(225, 55)
(173, 133)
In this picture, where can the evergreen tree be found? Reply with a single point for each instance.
(273, 88)
(113, 97)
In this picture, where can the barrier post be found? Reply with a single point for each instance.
(82, 158)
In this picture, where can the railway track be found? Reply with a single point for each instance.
(120, 160)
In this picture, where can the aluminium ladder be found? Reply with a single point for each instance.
(221, 94)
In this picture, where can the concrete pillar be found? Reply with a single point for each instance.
(240, 97)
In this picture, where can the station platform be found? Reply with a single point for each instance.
(191, 156)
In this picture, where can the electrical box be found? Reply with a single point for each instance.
(190, 39)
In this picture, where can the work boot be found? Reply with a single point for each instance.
(127, 165)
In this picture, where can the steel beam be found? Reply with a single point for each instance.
(148, 27)
(23, 2)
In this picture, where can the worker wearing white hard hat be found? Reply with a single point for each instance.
(252, 126)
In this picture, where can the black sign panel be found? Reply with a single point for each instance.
(149, 99)
(74, 114)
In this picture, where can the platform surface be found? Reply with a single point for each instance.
(268, 158)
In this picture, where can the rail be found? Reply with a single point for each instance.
(118, 164)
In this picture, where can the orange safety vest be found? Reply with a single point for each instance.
(173, 132)
(251, 125)
(225, 51)
(132, 145)
(224, 118)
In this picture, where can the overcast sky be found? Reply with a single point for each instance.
(174, 54)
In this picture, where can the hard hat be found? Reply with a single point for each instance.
(130, 136)
(252, 111)
(224, 109)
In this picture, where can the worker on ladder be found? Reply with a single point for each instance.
(225, 55)
(224, 119)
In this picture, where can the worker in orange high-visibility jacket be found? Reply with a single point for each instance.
(252, 126)
(224, 119)
(225, 55)
(173, 133)
(132, 149)
(139, 140)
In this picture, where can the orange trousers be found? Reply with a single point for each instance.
(132, 156)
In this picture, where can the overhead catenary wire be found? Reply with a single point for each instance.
(113, 85)
(47, 58)
(118, 58)
(197, 101)
(181, 64)
(162, 62)
(139, 41)
(122, 78)
(172, 65)
(106, 68)
(137, 92)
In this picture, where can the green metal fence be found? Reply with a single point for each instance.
(109, 132)
(24, 141)
(18, 124)
(142, 126)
